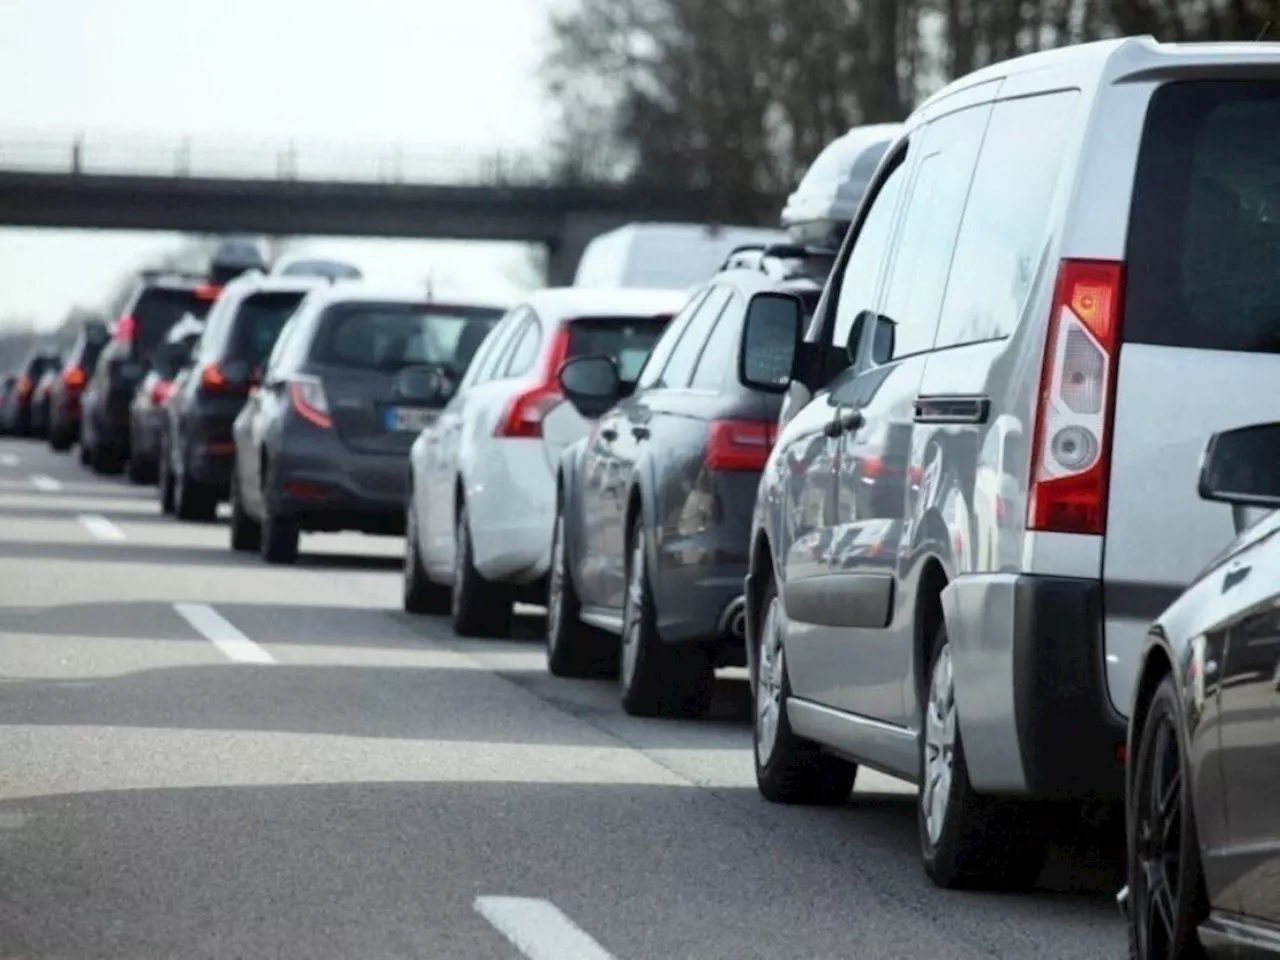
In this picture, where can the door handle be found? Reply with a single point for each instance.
(640, 433)
(610, 434)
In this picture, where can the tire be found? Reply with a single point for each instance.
(789, 769)
(59, 440)
(164, 482)
(967, 840)
(140, 472)
(246, 532)
(83, 455)
(280, 537)
(1175, 861)
(574, 649)
(420, 594)
(479, 608)
(657, 679)
(104, 460)
(193, 500)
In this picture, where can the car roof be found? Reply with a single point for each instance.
(566, 302)
(325, 294)
(256, 282)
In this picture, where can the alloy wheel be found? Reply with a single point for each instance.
(939, 745)
(555, 584)
(633, 613)
(769, 672)
(1158, 846)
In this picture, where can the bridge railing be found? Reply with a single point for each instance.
(313, 160)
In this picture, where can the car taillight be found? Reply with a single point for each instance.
(307, 396)
(161, 391)
(125, 328)
(24, 387)
(523, 416)
(208, 292)
(74, 377)
(739, 444)
(1071, 455)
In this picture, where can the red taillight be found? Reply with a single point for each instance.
(208, 292)
(74, 377)
(1071, 454)
(523, 417)
(24, 387)
(739, 444)
(307, 396)
(213, 379)
(125, 328)
(161, 391)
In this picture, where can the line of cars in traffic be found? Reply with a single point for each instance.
(974, 472)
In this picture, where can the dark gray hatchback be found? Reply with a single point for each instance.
(323, 444)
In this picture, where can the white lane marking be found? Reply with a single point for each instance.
(101, 527)
(539, 930)
(47, 484)
(9, 460)
(221, 633)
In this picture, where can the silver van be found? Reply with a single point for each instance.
(1064, 277)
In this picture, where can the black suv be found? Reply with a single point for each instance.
(18, 418)
(64, 398)
(156, 305)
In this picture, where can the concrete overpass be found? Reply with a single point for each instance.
(394, 192)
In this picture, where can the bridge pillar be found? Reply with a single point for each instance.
(566, 248)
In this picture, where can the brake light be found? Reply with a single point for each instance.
(523, 416)
(208, 292)
(161, 391)
(126, 328)
(214, 379)
(739, 444)
(74, 377)
(1071, 452)
(24, 387)
(307, 396)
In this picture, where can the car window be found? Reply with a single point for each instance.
(495, 359)
(860, 274)
(258, 324)
(679, 369)
(719, 357)
(158, 309)
(484, 353)
(526, 344)
(930, 220)
(627, 340)
(1005, 228)
(661, 352)
(1203, 258)
(389, 335)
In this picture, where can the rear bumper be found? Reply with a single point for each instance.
(1030, 682)
(366, 492)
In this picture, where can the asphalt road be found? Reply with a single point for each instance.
(201, 756)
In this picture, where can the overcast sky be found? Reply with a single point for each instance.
(451, 75)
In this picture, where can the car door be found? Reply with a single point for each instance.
(445, 437)
(809, 444)
(1250, 728)
(879, 475)
(600, 479)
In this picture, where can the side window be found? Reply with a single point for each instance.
(1005, 224)
(720, 355)
(930, 222)
(679, 369)
(278, 351)
(652, 370)
(860, 277)
(485, 354)
(528, 340)
(486, 367)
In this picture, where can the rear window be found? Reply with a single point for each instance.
(157, 310)
(1203, 261)
(391, 336)
(258, 323)
(629, 341)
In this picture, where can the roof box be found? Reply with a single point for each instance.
(820, 210)
(234, 256)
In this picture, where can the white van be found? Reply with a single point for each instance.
(666, 256)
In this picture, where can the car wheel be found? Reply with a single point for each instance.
(1167, 899)
(420, 594)
(280, 536)
(657, 679)
(165, 483)
(967, 840)
(83, 455)
(480, 608)
(574, 649)
(104, 460)
(789, 769)
(139, 471)
(192, 500)
(59, 440)
(246, 532)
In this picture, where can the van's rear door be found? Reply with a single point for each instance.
(1201, 332)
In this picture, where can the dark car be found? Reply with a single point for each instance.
(227, 363)
(1203, 749)
(156, 305)
(323, 444)
(19, 409)
(40, 398)
(148, 413)
(654, 508)
(8, 389)
(64, 397)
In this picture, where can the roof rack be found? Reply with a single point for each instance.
(775, 251)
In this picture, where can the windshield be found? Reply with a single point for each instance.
(391, 336)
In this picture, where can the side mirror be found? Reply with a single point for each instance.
(883, 337)
(592, 384)
(770, 341)
(1242, 467)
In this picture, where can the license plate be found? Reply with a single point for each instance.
(406, 419)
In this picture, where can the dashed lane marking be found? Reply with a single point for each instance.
(101, 527)
(539, 930)
(222, 633)
(47, 484)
